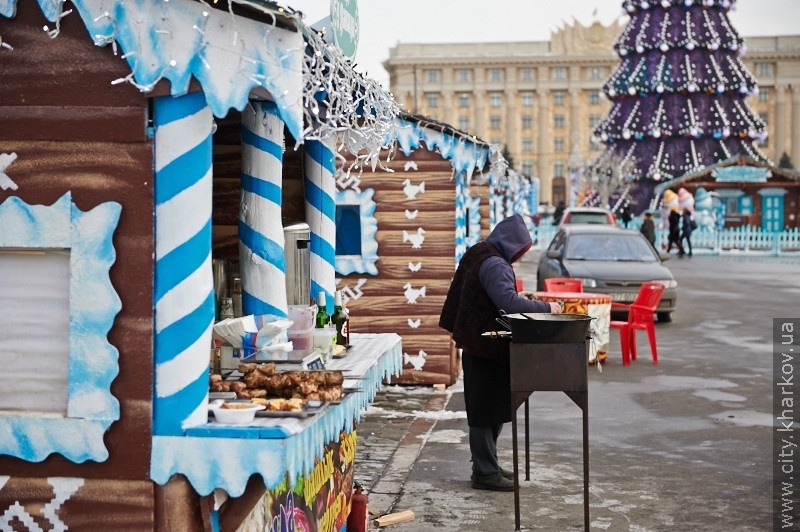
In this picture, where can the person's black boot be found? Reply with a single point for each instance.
(496, 482)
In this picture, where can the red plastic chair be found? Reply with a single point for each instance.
(641, 316)
(563, 284)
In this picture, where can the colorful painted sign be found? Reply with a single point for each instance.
(317, 502)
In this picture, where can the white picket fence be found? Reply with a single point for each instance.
(737, 240)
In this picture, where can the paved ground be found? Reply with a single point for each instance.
(684, 445)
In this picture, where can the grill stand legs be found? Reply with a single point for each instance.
(549, 367)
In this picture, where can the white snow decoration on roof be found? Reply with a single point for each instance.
(228, 55)
(465, 156)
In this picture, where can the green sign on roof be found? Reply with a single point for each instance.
(344, 23)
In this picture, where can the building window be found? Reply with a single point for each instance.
(558, 169)
(594, 120)
(527, 168)
(526, 74)
(765, 69)
(558, 121)
(558, 144)
(495, 122)
(527, 144)
(67, 324)
(495, 74)
(356, 246)
(593, 144)
(495, 99)
(463, 99)
(433, 75)
(763, 95)
(526, 98)
(559, 73)
(463, 123)
(594, 98)
(527, 121)
(596, 73)
(558, 98)
(464, 75)
(432, 100)
(496, 141)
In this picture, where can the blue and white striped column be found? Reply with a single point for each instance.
(184, 286)
(320, 166)
(262, 264)
(461, 215)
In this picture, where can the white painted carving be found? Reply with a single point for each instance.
(412, 294)
(352, 293)
(63, 489)
(418, 361)
(5, 161)
(411, 191)
(414, 324)
(17, 512)
(414, 267)
(411, 215)
(348, 180)
(416, 239)
(410, 165)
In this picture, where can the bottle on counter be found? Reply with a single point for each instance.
(322, 319)
(341, 320)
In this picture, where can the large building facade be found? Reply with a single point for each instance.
(541, 100)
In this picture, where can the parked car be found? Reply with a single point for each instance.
(608, 260)
(587, 215)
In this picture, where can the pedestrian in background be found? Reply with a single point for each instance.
(648, 228)
(687, 226)
(483, 284)
(559, 212)
(674, 235)
(625, 215)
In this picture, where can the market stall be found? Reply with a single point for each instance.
(136, 127)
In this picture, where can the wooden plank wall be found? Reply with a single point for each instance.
(73, 131)
(409, 262)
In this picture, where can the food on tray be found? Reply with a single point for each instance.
(261, 380)
(237, 406)
(339, 350)
(285, 405)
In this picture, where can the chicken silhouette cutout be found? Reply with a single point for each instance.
(416, 239)
(411, 215)
(414, 267)
(417, 361)
(411, 191)
(412, 294)
(414, 324)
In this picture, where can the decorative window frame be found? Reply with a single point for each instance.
(364, 263)
(94, 304)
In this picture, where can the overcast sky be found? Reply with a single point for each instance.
(384, 23)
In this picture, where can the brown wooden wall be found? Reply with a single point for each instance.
(74, 132)
(383, 306)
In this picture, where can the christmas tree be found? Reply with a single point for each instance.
(679, 94)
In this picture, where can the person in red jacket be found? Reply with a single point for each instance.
(485, 283)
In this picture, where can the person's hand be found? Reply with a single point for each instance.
(527, 295)
(556, 307)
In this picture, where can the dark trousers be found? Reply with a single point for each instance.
(688, 248)
(483, 446)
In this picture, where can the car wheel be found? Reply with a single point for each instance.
(664, 317)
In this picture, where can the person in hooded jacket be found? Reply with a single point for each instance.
(483, 284)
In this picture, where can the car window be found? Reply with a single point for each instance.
(610, 247)
(557, 244)
(588, 218)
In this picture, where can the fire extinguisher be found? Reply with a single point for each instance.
(357, 519)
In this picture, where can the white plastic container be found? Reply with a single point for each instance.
(301, 333)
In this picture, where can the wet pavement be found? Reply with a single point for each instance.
(684, 445)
